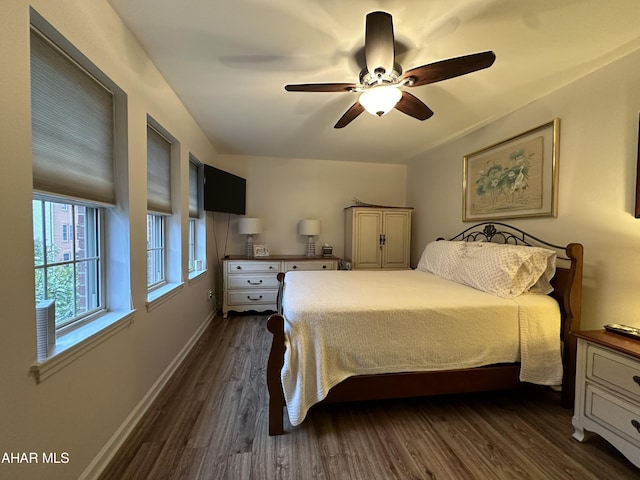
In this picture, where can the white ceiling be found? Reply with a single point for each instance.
(229, 60)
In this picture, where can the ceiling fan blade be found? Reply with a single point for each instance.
(413, 106)
(321, 87)
(379, 43)
(445, 69)
(355, 110)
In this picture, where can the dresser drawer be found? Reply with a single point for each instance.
(252, 297)
(613, 370)
(252, 266)
(266, 280)
(308, 265)
(613, 413)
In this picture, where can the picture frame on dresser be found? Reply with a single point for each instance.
(514, 178)
(261, 250)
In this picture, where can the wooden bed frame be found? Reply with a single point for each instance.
(567, 284)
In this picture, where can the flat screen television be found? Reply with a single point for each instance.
(223, 191)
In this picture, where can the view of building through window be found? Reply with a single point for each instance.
(67, 258)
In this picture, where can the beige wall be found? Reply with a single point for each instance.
(598, 153)
(283, 191)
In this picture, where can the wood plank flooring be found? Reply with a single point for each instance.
(210, 422)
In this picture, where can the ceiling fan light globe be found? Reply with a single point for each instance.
(379, 100)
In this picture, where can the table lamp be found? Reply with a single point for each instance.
(249, 227)
(309, 227)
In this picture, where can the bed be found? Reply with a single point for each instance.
(368, 335)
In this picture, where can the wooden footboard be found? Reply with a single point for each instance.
(567, 285)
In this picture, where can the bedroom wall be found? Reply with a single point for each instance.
(78, 409)
(598, 154)
(283, 191)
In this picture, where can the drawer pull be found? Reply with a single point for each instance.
(254, 299)
(254, 283)
(636, 379)
(295, 267)
(324, 267)
(636, 425)
(239, 267)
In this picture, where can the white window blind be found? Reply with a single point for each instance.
(158, 172)
(72, 124)
(194, 190)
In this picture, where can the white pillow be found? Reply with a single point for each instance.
(443, 257)
(507, 270)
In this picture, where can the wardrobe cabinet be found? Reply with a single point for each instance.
(378, 237)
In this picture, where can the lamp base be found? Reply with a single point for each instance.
(248, 248)
(311, 247)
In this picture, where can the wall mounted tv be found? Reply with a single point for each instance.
(223, 191)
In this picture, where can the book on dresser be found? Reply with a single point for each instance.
(251, 284)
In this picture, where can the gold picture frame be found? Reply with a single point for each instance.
(515, 178)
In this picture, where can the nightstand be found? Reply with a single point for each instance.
(251, 284)
(608, 390)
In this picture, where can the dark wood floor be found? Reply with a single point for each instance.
(210, 422)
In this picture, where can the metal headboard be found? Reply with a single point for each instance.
(487, 232)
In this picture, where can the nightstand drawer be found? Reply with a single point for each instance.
(252, 297)
(308, 265)
(253, 266)
(614, 370)
(266, 280)
(613, 412)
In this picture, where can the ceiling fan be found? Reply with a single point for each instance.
(381, 79)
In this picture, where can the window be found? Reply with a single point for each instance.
(82, 291)
(192, 245)
(195, 224)
(72, 139)
(156, 259)
(158, 206)
(70, 275)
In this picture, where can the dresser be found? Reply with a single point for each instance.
(251, 284)
(378, 238)
(607, 398)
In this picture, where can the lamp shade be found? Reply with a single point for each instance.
(309, 226)
(249, 226)
(380, 99)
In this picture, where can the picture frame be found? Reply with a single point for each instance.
(514, 178)
(260, 250)
(637, 212)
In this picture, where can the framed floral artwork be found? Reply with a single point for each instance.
(515, 178)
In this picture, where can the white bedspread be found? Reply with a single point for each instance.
(344, 323)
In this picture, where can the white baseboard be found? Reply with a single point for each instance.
(107, 453)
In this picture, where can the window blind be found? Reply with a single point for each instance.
(72, 127)
(194, 190)
(158, 173)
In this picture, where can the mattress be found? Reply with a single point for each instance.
(344, 323)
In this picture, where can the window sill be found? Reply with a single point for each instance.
(196, 275)
(162, 294)
(72, 345)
